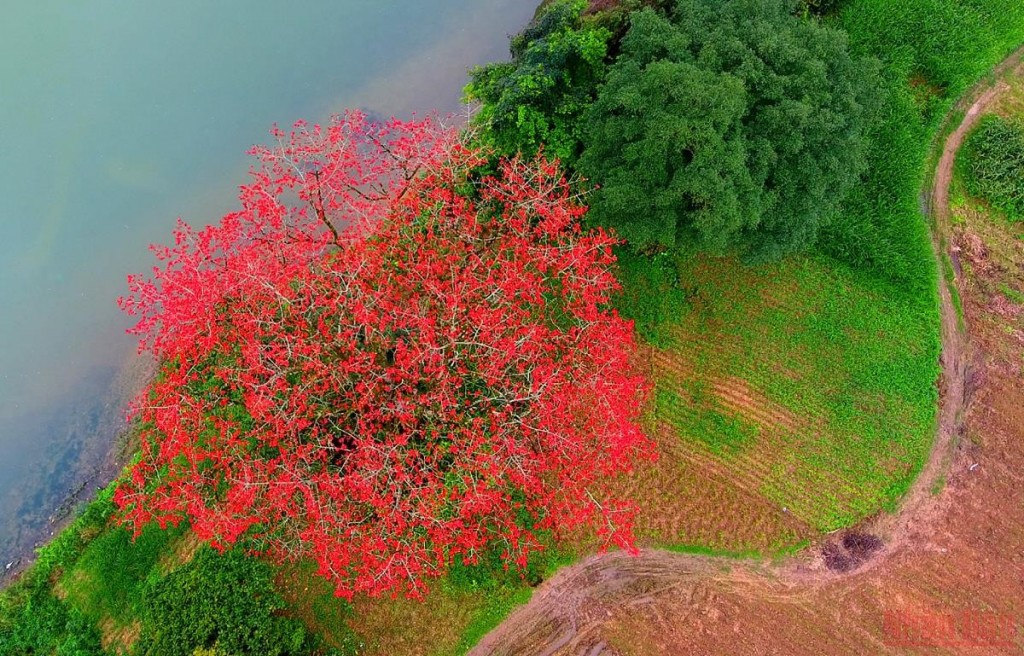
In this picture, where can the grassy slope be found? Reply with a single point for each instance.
(801, 392)
(802, 339)
(86, 591)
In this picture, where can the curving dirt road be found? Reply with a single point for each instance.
(946, 554)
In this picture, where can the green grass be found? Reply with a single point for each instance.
(947, 45)
(500, 592)
(493, 612)
(110, 577)
(651, 294)
(1012, 294)
(93, 580)
(712, 426)
(846, 363)
(932, 52)
(702, 550)
(845, 342)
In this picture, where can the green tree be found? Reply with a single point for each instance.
(537, 98)
(729, 124)
(225, 602)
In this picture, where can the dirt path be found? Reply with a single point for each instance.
(676, 601)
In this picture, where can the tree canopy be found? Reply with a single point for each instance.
(384, 363)
(728, 124)
(538, 97)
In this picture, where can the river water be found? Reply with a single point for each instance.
(116, 116)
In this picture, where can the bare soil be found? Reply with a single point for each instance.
(943, 575)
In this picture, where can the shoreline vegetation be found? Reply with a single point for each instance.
(870, 287)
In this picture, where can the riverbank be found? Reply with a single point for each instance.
(108, 154)
(103, 422)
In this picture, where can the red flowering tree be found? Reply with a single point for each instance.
(383, 362)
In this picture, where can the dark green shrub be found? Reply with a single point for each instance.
(991, 164)
(820, 7)
(217, 600)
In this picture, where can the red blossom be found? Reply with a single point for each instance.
(383, 362)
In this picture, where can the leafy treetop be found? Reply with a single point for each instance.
(538, 97)
(727, 124)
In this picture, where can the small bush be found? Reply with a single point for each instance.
(991, 164)
(222, 601)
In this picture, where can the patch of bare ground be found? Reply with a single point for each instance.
(181, 552)
(944, 575)
(118, 638)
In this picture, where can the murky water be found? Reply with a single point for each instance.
(116, 116)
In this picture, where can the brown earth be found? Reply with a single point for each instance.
(944, 575)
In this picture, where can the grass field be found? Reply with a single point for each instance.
(92, 592)
(794, 399)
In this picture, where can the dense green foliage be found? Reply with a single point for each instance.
(820, 7)
(225, 601)
(537, 98)
(943, 46)
(33, 621)
(880, 228)
(729, 124)
(991, 164)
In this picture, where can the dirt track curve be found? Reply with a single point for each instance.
(945, 555)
